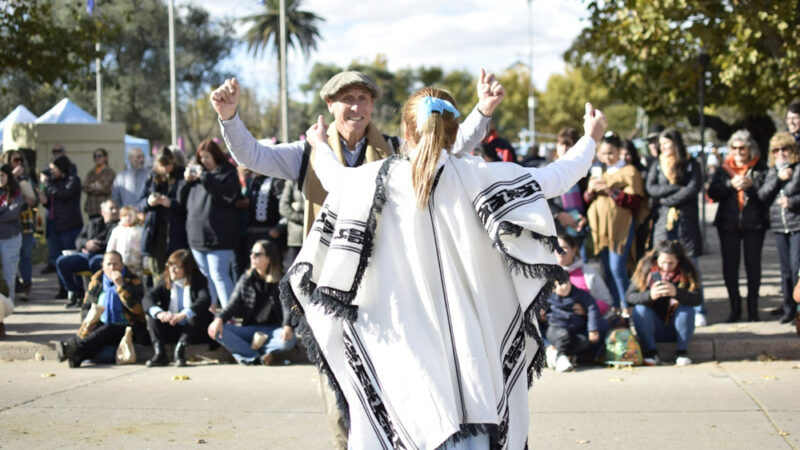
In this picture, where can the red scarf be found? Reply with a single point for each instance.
(733, 170)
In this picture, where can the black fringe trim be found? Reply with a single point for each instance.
(549, 272)
(336, 302)
(469, 430)
(303, 330)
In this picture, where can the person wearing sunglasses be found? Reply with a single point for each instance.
(265, 327)
(781, 192)
(97, 183)
(741, 219)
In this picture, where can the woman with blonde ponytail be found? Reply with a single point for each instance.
(418, 288)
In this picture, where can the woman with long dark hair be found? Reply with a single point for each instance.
(674, 182)
(209, 193)
(11, 205)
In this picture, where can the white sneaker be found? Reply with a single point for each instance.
(550, 356)
(563, 364)
(700, 320)
(652, 361)
(682, 361)
(259, 339)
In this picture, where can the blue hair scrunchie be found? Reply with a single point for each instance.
(429, 105)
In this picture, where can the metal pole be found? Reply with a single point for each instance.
(98, 69)
(703, 58)
(173, 97)
(531, 100)
(284, 93)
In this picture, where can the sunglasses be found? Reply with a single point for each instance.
(98, 155)
(785, 148)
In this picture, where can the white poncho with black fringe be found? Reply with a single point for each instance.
(424, 319)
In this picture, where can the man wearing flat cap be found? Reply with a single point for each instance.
(350, 97)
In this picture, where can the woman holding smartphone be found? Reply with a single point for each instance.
(664, 291)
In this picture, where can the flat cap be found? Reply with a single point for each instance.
(348, 78)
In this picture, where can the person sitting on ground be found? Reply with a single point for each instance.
(97, 184)
(583, 276)
(177, 309)
(265, 325)
(573, 326)
(128, 185)
(664, 291)
(127, 239)
(92, 242)
(120, 292)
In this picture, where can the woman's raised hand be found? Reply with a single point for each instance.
(594, 123)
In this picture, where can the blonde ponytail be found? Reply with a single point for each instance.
(438, 132)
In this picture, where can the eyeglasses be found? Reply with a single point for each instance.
(98, 155)
(785, 148)
(58, 150)
(257, 254)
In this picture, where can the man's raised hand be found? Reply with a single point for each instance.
(490, 93)
(225, 98)
(318, 132)
(594, 123)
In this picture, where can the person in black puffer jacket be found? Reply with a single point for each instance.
(165, 225)
(209, 193)
(266, 327)
(741, 219)
(781, 192)
(61, 197)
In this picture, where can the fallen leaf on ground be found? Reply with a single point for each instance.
(747, 382)
(201, 441)
(48, 375)
(180, 377)
(769, 377)
(784, 433)
(616, 380)
(766, 357)
(582, 441)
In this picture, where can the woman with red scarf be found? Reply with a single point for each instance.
(664, 290)
(741, 219)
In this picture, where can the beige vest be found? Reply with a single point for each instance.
(376, 149)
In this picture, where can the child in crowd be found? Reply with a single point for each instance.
(574, 325)
(664, 291)
(127, 239)
(581, 275)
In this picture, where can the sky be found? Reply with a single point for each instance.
(465, 34)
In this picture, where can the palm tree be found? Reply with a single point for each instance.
(301, 29)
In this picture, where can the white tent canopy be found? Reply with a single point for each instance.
(20, 114)
(66, 111)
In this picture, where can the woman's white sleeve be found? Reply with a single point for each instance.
(327, 166)
(561, 174)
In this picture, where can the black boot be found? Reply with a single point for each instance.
(736, 311)
(752, 309)
(73, 300)
(62, 293)
(159, 356)
(180, 353)
(25, 294)
(68, 351)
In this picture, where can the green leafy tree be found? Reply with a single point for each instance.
(46, 41)
(648, 52)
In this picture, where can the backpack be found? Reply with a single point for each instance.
(622, 348)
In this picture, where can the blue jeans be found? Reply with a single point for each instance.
(68, 265)
(789, 256)
(26, 257)
(616, 270)
(237, 340)
(58, 241)
(651, 329)
(9, 254)
(216, 265)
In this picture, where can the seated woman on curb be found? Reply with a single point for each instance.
(265, 325)
(177, 308)
(120, 291)
(664, 289)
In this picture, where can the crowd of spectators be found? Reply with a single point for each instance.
(163, 247)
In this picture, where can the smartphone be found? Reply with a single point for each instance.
(655, 278)
(596, 172)
(195, 169)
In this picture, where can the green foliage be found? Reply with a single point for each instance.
(648, 52)
(301, 28)
(45, 41)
